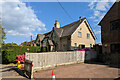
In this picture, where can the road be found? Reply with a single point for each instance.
(79, 71)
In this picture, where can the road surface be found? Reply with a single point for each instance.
(80, 71)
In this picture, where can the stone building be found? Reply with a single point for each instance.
(74, 36)
(110, 34)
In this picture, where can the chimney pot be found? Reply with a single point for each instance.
(80, 18)
(57, 25)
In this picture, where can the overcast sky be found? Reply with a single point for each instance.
(23, 19)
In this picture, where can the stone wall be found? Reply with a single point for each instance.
(50, 59)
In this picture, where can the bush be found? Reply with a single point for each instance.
(9, 52)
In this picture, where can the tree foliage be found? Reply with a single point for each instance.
(11, 44)
(2, 34)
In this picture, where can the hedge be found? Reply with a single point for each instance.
(9, 52)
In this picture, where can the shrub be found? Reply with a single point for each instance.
(20, 58)
(9, 53)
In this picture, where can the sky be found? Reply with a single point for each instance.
(23, 19)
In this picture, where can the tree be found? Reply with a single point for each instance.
(2, 35)
(11, 44)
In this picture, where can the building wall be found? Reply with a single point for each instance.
(65, 43)
(107, 36)
(51, 59)
(82, 40)
(119, 10)
(56, 40)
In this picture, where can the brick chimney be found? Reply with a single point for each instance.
(80, 18)
(57, 24)
(31, 38)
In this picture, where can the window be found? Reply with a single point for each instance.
(79, 34)
(39, 41)
(54, 37)
(115, 48)
(115, 25)
(81, 46)
(75, 45)
(68, 38)
(90, 45)
(88, 35)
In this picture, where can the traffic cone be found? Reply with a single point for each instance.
(53, 75)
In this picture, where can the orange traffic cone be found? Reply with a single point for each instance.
(53, 75)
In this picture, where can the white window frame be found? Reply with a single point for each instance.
(87, 36)
(79, 34)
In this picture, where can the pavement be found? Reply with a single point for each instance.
(10, 71)
(83, 70)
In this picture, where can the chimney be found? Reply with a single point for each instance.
(57, 25)
(80, 18)
(31, 38)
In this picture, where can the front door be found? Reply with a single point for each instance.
(83, 46)
(64, 48)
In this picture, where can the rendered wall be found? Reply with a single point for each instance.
(50, 59)
(82, 40)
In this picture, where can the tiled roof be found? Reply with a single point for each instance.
(47, 34)
(68, 29)
(50, 42)
(40, 36)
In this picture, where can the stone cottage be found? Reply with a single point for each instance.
(74, 36)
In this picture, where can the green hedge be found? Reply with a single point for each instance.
(9, 52)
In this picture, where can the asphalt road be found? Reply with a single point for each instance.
(79, 71)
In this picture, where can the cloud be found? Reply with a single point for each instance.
(91, 5)
(97, 32)
(102, 6)
(20, 20)
(39, 29)
(99, 9)
(96, 13)
(92, 17)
